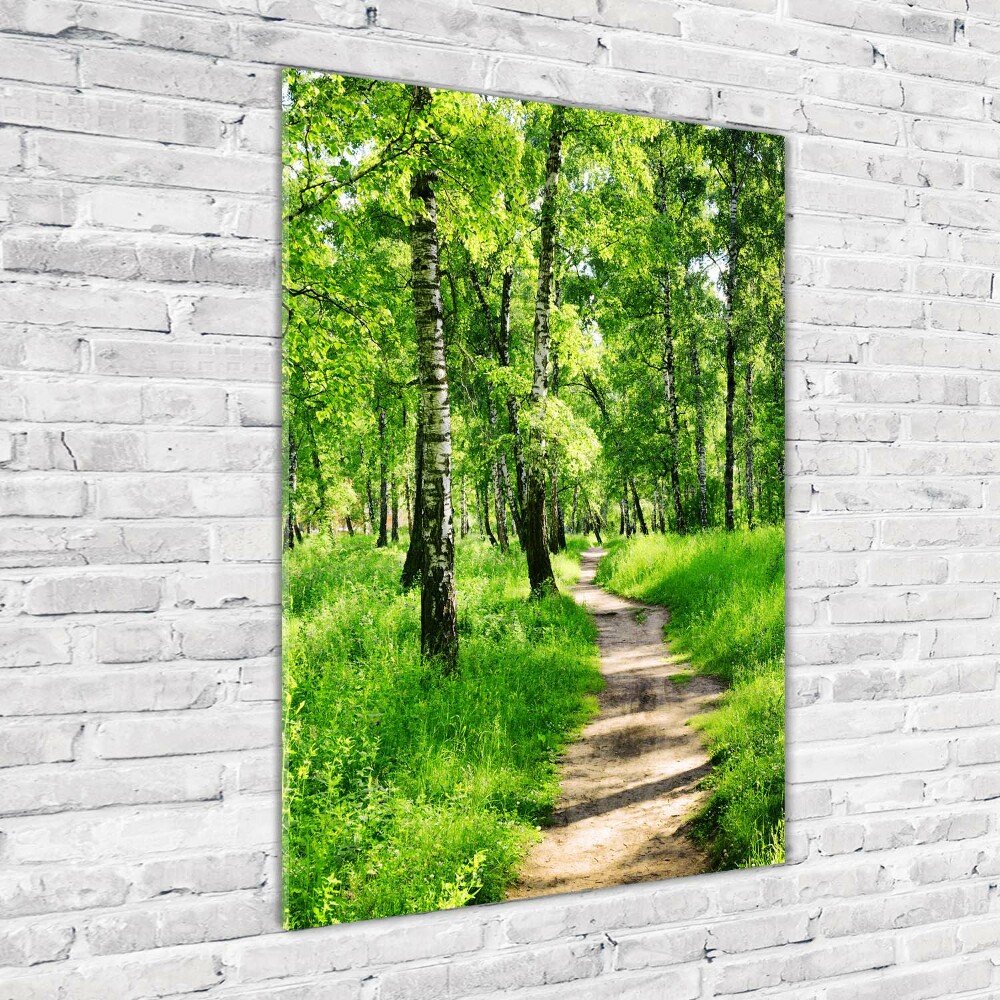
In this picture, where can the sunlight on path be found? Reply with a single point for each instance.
(629, 784)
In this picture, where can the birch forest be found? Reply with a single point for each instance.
(511, 329)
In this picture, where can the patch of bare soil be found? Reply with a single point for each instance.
(630, 783)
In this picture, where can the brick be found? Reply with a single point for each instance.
(162, 29)
(179, 211)
(134, 642)
(59, 889)
(212, 919)
(35, 943)
(188, 496)
(38, 742)
(258, 407)
(31, 646)
(908, 754)
(120, 160)
(252, 541)
(208, 639)
(830, 959)
(122, 116)
(132, 691)
(192, 405)
(174, 74)
(184, 360)
(84, 305)
(82, 594)
(229, 587)
(164, 735)
(93, 788)
(242, 316)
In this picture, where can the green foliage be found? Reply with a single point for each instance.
(407, 791)
(726, 598)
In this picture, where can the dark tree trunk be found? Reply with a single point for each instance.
(640, 520)
(699, 436)
(394, 494)
(748, 470)
(293, 468)
(318, 473)
(574, 526)
(371, 520)
(622, 518)
(483, 493)
(540, 575)
(438, 616)
(350, 525)
(463, 524)
(383, 487)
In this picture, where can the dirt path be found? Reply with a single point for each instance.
(629, 783)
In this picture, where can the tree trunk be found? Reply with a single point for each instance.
(574, 527)
(371, 520)
(540, 575)
(438, 615)
(499, 503)
(515, 496)
(640, 520)
(670, 396)
(730, 287)
(699, 436)
(561, 523)
(350, 525)
(748, 444)
(483, 493)
(293, 468)
(394, 493)
(383, 487)
(463, 523)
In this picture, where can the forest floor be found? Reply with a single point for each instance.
(630, 783)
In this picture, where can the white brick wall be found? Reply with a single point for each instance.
(138, 466)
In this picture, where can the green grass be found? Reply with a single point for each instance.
(726, 596)
(405, 790)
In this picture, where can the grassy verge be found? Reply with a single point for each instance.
(725, 593)
(405, 791)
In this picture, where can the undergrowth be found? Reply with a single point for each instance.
(725, 592)
(405, 790)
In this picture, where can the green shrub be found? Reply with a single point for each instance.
(405, 790)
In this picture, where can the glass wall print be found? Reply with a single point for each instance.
(534, 499)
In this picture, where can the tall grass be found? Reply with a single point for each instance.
(405, 790)
(725, 592)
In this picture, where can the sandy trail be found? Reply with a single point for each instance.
(629, 784)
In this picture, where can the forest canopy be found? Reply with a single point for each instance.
(525, 320)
